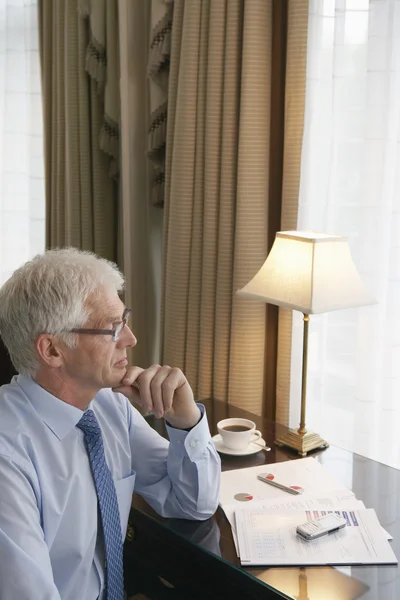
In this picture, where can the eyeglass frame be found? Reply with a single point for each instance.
(115, 332)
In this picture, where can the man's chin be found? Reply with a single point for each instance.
(116, 376)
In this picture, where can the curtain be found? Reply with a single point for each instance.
(222, 206)
(158, 70)
(141, 222)
(350, 185)
(81, 199)
(22, 197)
(295, 93)
(102, 64)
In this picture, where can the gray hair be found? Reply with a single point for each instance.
(50, 294)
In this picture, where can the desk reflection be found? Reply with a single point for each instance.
(318, 583)
(201, 533)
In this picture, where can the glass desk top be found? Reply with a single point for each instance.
(376, 484)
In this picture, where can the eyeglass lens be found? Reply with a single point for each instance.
(118, 330)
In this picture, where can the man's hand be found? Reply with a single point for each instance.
(164, 391)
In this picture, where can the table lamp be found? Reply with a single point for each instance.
(313, 273)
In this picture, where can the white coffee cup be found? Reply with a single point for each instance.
(237, 434)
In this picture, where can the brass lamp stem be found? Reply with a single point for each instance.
(300, 439)
(306, 321)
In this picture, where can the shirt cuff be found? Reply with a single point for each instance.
(185, 428)
(194, 440)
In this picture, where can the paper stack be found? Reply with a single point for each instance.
(264, 518)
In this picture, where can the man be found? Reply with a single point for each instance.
(72, 447)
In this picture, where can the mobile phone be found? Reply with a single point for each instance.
(321, 526)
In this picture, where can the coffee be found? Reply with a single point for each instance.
(237, 434)
(236, 428)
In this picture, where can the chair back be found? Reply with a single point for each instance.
(7, 370)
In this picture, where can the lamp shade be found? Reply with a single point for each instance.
(310, 272)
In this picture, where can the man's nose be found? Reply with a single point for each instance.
(128, 338)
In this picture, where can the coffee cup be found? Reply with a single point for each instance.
(237, 434)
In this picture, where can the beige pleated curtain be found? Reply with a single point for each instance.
(235, 114)
(81, 201)
(295, 97)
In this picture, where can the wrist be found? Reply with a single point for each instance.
(185, 421)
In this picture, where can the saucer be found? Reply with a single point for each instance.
(252, 448)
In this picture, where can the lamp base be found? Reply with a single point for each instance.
(302, 442)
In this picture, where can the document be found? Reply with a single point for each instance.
(289, 504)
(272, 540)
(286, 503)
(240, 489)
(242, 486)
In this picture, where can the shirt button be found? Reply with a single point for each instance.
(193, 444)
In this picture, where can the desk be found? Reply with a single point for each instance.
(203, 553)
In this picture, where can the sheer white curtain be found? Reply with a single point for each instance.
(350, 184)
(22, 199)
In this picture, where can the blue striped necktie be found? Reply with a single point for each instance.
(108, 504)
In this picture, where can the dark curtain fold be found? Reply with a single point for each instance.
(158, 72)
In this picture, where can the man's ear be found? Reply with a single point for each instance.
(49, 350)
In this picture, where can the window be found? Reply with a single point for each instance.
(22, 196)
(350, 184)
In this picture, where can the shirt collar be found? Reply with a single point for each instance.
(58, 415)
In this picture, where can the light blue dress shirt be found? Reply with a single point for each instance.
(49, 543)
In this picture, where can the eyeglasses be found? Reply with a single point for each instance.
(115, 331)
